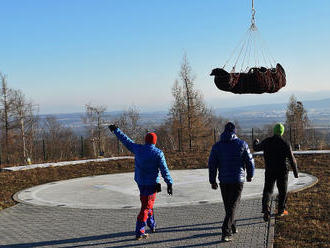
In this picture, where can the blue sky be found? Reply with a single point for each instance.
(65, 53)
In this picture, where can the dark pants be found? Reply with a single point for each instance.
(231, 195)
(282, 186)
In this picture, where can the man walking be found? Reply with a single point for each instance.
(149, 160)
(276, 151)
(230, 157)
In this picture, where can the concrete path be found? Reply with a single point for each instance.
(116, 191)
(185, 226)
(63, 217)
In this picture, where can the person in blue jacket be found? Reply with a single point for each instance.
(149, 160)
(229, 158)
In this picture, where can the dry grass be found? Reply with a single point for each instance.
(12, 182)
(306, 226)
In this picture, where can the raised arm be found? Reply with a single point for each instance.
(127, 142)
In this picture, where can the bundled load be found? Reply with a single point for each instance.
(257, 80)
(253, 69)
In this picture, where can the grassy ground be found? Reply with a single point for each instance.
(308, 222)
(306, 226)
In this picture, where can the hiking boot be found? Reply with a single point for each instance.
(226, 238)
(282, 213)
(142, 236)
(266, 216)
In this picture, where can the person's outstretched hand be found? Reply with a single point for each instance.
(214, 186)
(169, 189)
(112, 127)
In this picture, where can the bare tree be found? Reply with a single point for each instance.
(26, 122)
(129, 123)
(95, 119)
(297, 121)
(6, 100)
(60, 140)
(188, 115)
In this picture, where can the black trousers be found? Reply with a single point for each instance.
(231, 195)
(281, 180)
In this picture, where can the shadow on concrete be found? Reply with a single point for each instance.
(73, 242)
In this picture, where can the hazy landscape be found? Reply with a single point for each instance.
(248, 116)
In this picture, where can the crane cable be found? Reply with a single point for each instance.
(251, 45)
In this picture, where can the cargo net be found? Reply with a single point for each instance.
(264, 76)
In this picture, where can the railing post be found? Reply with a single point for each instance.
(82, 146)
(179, 140)
(214, 135)
(118, 147)
(290, 135)
(44, 149)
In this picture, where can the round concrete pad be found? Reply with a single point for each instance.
(117, 191)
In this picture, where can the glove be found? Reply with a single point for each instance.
(169, 189)
(214, 186)
(112, 128)
(248, 179)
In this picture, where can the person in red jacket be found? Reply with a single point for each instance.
(276, 152)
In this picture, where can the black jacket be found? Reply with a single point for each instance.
(276, 152)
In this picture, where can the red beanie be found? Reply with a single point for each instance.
(151, 138)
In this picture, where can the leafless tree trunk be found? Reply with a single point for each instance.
(188, 84)
(25, 118)
(95, 119)
(6, 103)
(190, 119)
(129, 123)
(297, 121)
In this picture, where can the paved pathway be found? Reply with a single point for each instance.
(116, 191)
(185, 226)
(184, 222)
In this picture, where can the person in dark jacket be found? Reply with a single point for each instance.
(276, 152)
(149, 160)
(230, 157)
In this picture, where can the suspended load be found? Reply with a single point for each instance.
(257, 73)
(255, 81)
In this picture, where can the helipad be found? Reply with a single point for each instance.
(116, 191)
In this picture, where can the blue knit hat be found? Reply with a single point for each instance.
(230, 127)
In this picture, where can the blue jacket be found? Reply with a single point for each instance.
(148, 161)
(230, 157)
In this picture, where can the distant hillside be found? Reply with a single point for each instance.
(258, 115)
(248, 116)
